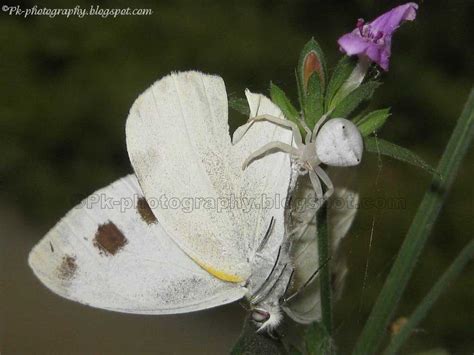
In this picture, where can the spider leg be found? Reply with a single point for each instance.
(306, 129)
(316, 184)
(326, 180)
(308, 137)
(240, 131)
(266, 148)
(319, 124)
(281, 122)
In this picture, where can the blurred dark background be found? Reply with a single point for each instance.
(67, 86)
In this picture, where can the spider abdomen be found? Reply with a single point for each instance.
(339, 143)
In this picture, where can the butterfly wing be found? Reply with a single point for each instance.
(270, 179)
(306, 307)
(111, 252)
(178, 134)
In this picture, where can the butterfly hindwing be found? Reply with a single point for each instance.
(111, 252)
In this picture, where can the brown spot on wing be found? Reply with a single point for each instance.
(145, 211)
(68, 267)
(109, 239)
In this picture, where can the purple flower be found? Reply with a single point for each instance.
(374, 39)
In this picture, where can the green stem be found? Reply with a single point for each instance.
(422, 309)
(325, 275)
(417, 235)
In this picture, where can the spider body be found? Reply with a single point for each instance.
(339, 143)
(336, 142)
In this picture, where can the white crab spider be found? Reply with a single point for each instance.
(337, 143)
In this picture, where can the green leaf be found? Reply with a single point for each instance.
(240, 105)
(317, 340)
(299, 88)
(311, 60)
(360, 115)
(280, 99)
(380, 146)
(415, 240)
(373, 121)
(314, 102)
(422, 309)
(355, 98)
(343, 70)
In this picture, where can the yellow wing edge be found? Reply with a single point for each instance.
(221, 275)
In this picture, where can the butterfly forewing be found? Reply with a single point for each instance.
(179, 145)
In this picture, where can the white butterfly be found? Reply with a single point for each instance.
(134, 254)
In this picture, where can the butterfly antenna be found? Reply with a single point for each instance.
(261, 297)
(265, 282)
(289, 281)
(267, 235)
(244, 306)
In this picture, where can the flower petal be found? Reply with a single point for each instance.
(373, 40)
(391, 20)
(352, 43)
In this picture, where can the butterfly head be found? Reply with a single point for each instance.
(266, 317)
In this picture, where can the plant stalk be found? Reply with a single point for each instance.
(325, 274)
(422, 309)
(427, 213)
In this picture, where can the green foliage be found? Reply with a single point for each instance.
(311, 79)
(417, 235)
(314, 101)
(350, 102)
(317, 340)
(343, 70)
(280, 99)
(380, 146)
(299, 88)
(373, 121)
(305, 69)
